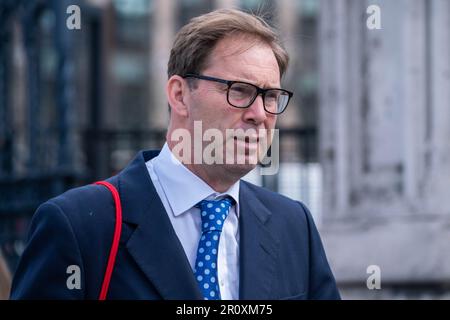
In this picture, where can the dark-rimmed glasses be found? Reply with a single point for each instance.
(242, 94)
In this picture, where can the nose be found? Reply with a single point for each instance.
(255, 113)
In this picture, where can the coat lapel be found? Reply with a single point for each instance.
(154, 244)
(258, 247)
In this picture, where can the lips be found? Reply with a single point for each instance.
(247, 139)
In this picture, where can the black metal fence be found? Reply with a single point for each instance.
(38, 145)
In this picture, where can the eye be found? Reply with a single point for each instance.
(241, 90)
(272, 95)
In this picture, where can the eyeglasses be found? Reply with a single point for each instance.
(243, 94)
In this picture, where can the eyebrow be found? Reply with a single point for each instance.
(259, 84)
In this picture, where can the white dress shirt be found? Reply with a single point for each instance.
(180, 190)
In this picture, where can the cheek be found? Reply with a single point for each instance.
(209, 104)
(221, 115)
(213, 110)
(270, 122)
(210, 115)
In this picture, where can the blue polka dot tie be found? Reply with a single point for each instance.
(213, 213)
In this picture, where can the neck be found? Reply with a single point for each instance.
(213, 175)
(210, 174)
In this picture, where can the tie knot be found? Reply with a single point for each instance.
(214, 213)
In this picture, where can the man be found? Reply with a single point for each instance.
(191, 228)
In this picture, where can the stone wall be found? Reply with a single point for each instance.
(385, 146)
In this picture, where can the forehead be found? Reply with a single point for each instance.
(245, 58)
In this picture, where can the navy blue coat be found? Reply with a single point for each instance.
(281, 254)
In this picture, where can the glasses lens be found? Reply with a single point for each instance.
(241, 94)
(276, 100)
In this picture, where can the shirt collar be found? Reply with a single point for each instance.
(182, 187)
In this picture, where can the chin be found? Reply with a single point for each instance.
(239, 170)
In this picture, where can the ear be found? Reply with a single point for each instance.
(176, 90)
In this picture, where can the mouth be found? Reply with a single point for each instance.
(247, 140)
(246, 145)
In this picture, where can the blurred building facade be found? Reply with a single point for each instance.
(385, 146)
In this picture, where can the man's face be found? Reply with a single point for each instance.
(236, 58)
